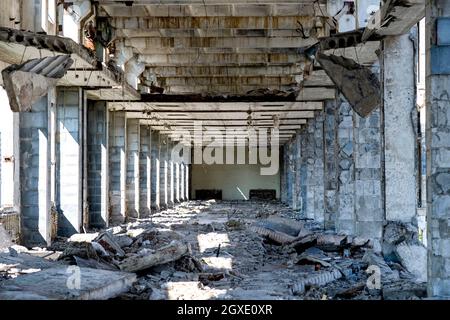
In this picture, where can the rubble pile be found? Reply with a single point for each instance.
(228, 250)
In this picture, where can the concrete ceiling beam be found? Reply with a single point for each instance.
(211, 106)
(209, 23)
(141, 44)
(118, 9)
(219, 59)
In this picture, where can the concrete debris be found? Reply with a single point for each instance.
(65, 283)
(374, 259)
(148, 258)
(414, 259)
(318, 279)
(396, 232)
(108, 241)
(5, 239)
(404, 290)
(207, 250)
(358, 84)
(277, 236)
(26, 83)
(331, 242)
(83, 237)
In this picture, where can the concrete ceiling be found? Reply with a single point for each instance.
(225, 47)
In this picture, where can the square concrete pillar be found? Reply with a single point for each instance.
(289, 173)
(155, 169)
(283, 174)
(186, 181)
(164, 172)
(97, 162)
(132, 179)
(311, 172)
(369, 204)
(400, 132)
(298, 159)
(182, 183)
(330, 164)
(145, 194)
(69, 168)
(345, 218)
(438, 147)
(117, 166)
(7, 141)
(170, 175)
(177, 181)
(32, 177)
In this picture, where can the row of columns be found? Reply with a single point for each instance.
(78, 165)
(357, 173)
(370, 164)
(144, 176)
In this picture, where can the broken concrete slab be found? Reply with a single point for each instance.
(414, 258)
(304, 243)
(26, 83)
(358, 84)
(5, 239)
(83, 237)
(386, 273)
(404, 290)
(67, 283)
(331, 242)
(148, 258)
(25, 261)
(107, 241)
(394, 233)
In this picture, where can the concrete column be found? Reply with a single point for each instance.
(283, 185)
(289, 173)
(182, 183)
(294, 158)
(32, 180)
(170, 175)
(400, 114)
(155, 167)
(345, 219)
(318, 173)
(132, 180)
(177, 182)
(330, 164)
(145, 194)
(6, 152)
(117, 166)
(186, 181)
(311, 173)
(438, 147)
(369, 206)
(298, 163)
(163, 177)
(69, 161)
(97, 148)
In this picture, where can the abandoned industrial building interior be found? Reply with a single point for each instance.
(225, 150)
